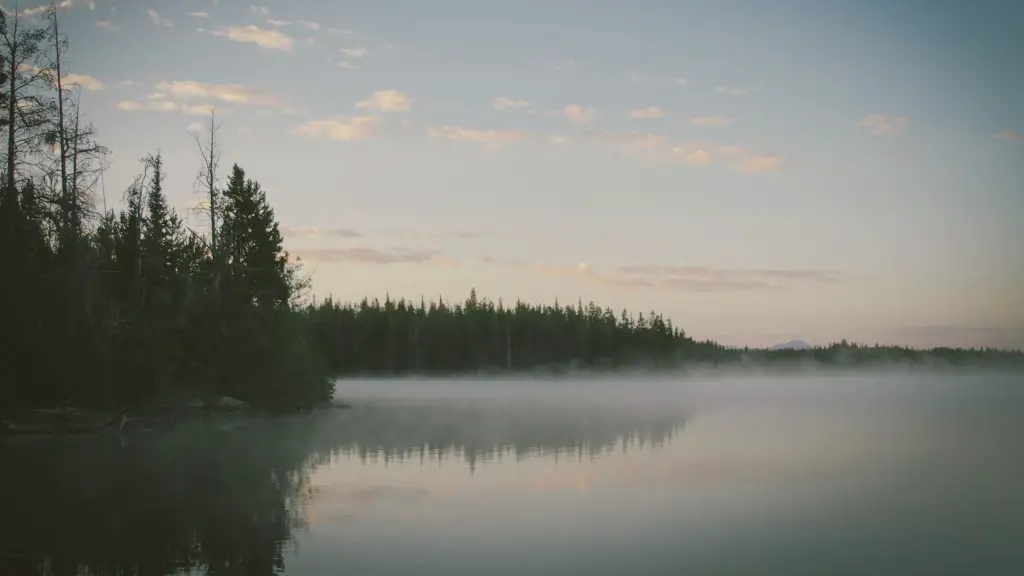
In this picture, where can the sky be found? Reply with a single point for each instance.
(756, 171)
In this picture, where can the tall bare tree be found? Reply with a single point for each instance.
(206, 180)
(28, 107)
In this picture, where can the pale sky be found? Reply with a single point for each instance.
(757, 171)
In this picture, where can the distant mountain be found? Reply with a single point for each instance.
(791, 345)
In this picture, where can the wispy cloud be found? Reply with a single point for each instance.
(695, 279)
(880, 124)
(648, 113)
(357, 52)
(269, 39)
(199, 14)
(229, 93)
(761, 163)
(387, 101)
(313, 231)
(503, 103)
(735, 90)
(107, 25)
(260, 10)
(578, 114)
(161, 105)
(83, 81)
(309, 24)
(491, 138)
(713, 121)
(159, 20)
(362, 255)
(278, 23)
(1010, 136)
(342, 129)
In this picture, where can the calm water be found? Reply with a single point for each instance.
(898, 474)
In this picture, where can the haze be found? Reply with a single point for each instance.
(757, 171)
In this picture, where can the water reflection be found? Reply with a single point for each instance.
(233, 499)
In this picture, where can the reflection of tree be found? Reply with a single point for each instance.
(482, 431)
(230, 501)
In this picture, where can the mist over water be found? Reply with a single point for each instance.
(881, 473)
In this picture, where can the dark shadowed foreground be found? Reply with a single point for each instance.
(900, 474)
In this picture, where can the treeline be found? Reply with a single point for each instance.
(478, 335)
(119, 308)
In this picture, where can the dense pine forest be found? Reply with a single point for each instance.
(113, 308)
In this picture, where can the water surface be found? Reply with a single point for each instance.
(872, 474)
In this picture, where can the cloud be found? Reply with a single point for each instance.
(343, 129)
(503, 103)
(348, 65)
(310, 25)
(578, 114)
(558, 139)
(199, 14)
(196, 127)
(752, 162)
(158, 104)
(159, 20)
(761, 163)
(321, 232)
(693, 157)
(735, 91)
(82, 80)
(491, 138)
(681, 81)
(278, 23)
(708, 279)
(357, 52)
(713, 121)
(230, 93)
(269, 39)
(387, 101)
(367, 256)
(880, 124)
(1010, 136)
(260, 10)
(107, 25)
(647, 113)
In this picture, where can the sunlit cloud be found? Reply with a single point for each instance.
(159, 20)
(269, 39)
(881, 124)
(735, 91)
(650, 112)
(503, 103)
(490, 138)
(1010, 136)
(81, 80)
(578, 114)
(361, 255)
(162, 105)
(357, 52)
(342, 129)
(199, 14)
(713, 121)
(694, 279)
(229, 93)
(314, 231)
(387, 101)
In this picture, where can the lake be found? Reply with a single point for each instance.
(899, 473)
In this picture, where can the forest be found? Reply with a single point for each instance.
(109, 308)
